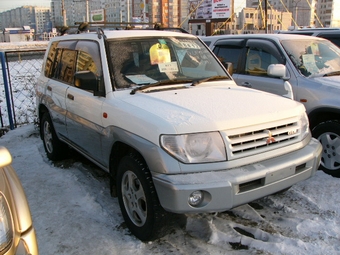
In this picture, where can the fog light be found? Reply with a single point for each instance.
(196, 198)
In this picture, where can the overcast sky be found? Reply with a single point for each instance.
(12, 4)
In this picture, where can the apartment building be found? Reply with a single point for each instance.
(315, 13)
(254, 19)
(327, 13)
(37, 18)
(166, 12)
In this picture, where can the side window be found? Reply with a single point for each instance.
(88, 57)
(88, 61)
(228, 54)
(61, 61)
(66, 66)
(50, 60)
(258, 60)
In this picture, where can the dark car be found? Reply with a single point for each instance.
(331, 34)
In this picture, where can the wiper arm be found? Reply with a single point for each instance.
(211, 78)
(332, 73)
(160, 83)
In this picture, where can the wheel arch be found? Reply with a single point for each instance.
(118, 151)
(324, 114)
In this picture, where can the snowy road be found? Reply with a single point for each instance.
(74, 214)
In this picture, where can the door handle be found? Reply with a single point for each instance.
(70, 96)
(246, 84)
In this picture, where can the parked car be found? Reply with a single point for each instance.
(331, 34)
(159, 112)
(17, 234)
(306, 68)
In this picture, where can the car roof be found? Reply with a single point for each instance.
(312, 31)
(276, 37)
(111, 34)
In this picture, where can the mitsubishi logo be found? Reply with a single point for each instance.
(270, 138)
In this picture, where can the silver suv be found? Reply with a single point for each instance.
(302, 67)
(159, 112)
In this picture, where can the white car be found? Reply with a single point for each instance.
(159, 112)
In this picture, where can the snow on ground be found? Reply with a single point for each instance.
(35, 45)
(74, 214)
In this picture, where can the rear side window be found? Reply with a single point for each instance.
(66, 65)
(61, 59)
(228, 53)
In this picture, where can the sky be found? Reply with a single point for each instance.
(12, 4)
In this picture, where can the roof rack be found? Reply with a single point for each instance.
(82, 27)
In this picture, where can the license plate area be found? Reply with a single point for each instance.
(279, 175)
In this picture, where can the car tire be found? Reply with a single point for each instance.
(138, 199)
(55, 149)
(328, 134)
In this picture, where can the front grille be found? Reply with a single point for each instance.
(255, 141)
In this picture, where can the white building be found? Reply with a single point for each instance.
(328, 14)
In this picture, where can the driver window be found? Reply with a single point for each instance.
(258, 60)
(88, 59)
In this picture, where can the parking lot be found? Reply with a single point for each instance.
(73, 213)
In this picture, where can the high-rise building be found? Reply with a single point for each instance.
(167, 12)
(318, 13)
(327, 13)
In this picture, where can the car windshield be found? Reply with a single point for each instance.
(161, 61)
(312, 57)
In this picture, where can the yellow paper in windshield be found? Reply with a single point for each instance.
(315, 49)
(159, 53)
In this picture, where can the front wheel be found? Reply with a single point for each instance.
(55, 149)
(138, 200)
(328, 134)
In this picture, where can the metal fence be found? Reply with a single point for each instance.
(19, 73)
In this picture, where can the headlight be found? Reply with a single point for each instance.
(195, 148)
(6, 231)
(304, 122)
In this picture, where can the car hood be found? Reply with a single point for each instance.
(204, 108)
(332, 81)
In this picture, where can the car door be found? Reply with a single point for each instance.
(259, 54)
(56, 85)
(84, 109)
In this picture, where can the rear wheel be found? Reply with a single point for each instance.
(328, 133)
(55, 149)
(138, 200)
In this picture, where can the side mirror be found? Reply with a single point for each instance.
(229, 66)
(87, 80)
(279, 70)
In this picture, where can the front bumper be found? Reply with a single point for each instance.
(26, 244)
(229, 188)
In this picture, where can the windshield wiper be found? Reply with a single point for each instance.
(211, 78)
(332, 73)
(160, 83)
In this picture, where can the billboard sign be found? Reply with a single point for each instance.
(97, 15)
(209, 9)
